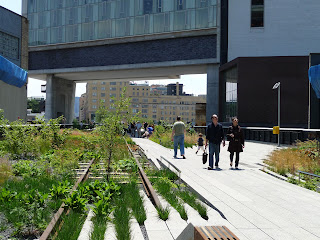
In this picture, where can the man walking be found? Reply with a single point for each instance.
(178, 131)
(215, 136)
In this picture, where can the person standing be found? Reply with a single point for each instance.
(236, 138)
(214, 136)
(178, 131)
(139, 126)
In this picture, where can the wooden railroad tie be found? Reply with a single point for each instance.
(213, 233)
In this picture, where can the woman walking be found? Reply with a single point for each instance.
(236, 144)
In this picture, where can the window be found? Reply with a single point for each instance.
(145, 106)
(154, 116)
(94, 94)
(181, 5)
(147, 6)
(103, 94)
(113, 89)
(144, 110)
(257, 13)
(103, 89)
(94, 106)
(159, 6)
(135, 110)
(94, 100)
(103, 83)
(9, 46)
(94, 88)
(154, 100)
(113, 95)
(113, 83)
(145, 100)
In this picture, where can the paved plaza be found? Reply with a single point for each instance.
(255, 204)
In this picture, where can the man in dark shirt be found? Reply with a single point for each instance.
(215, 136)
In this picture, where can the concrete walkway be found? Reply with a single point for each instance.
(257, 205)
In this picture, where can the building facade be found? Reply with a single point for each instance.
(269, 44)
(13, 47)
(120, 40)
(150, 106)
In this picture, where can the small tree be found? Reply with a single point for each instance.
(112, 124)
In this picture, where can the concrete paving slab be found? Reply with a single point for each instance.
(252, 201)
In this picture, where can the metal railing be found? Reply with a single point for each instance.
(264, 134)
(307, 173)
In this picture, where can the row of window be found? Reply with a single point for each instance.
(118, 8)
(103, 88)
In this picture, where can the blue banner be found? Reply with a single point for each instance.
(314, 78)
(12, 74)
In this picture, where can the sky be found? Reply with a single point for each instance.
(193, 84)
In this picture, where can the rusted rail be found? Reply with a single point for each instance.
(57, 217)
(146, 182)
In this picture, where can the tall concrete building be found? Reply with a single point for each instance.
(264, 42)
(149, 104)
(117, 40)
(13, 49)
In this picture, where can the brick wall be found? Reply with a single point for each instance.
(188, 48)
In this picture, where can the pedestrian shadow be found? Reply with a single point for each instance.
(214, 169)
(239, 169)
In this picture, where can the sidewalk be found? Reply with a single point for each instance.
(258, 206)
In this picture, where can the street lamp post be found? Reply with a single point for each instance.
(277, 86)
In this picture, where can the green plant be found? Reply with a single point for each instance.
(121, 220)
(191, 199)
(126, 165)
(99, 228)
(131, 193)
(164, 186)
(163, 213)
(61, 190)
(76, 202)
(72, 226)
(112, 126)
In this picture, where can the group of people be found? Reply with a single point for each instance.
(140, 130)
(214, 138)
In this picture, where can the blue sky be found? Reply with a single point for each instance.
(196, 84)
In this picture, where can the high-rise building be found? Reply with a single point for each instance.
(150, 105)
(13, 53)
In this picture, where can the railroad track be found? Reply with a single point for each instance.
(84, 173)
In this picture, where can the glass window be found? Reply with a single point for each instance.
(94, 100)
(9, 46)
(94, 94)
(103, 89)
(231, 94)
(113, 83)
(180, 5)
(94, 106)
(147, 6)
(71, 15)
(94, 88)
(113, 89)
(87, 13)
(72, 33)
(103, 94)
(257, 13)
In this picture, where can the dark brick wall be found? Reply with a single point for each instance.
(187, 48)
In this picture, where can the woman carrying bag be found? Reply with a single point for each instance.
(236, 138)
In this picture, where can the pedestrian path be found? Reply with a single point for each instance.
(257, 205)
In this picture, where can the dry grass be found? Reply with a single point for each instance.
(303, 157)
(5, 170)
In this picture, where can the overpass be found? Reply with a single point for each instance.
(120, 40)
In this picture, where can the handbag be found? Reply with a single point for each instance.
(205, 157)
